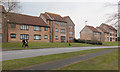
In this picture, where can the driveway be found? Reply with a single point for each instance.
(17, 54)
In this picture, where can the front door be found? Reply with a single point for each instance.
(62, 38)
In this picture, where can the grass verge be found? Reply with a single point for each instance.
(105, 62)
(18, 63)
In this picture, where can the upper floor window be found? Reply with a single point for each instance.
(45, 29)
(62, 30)
(13, 35)
(110, 34)
(56, 37)
(37, 28)
(13, 25)
(95, 33)
(49, 22)
(56, 22)
(62, 24)
(24, 27)
(70, 32)
(37, 37)
(24, 36)
(56, 30)
(0, 25)
(70, 26)
(45, 37)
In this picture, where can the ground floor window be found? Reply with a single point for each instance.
(56, 37)
(24, 36)
(13, 35)
(70, 38)
(37, 37)
(45, 37)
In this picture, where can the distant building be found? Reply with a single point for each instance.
(90, 33)
(104, 33)
(112, 35)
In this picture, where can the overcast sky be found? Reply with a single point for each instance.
(95, 11)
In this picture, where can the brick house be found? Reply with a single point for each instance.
(21, 26)
(61, 28)
(104, 34)
(48, 27)
(90, 33)
(112, 35)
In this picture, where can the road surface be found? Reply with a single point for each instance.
(17, 54)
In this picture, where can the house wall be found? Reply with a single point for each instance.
(30, 32)
(113, 32)
(86, 34)
(69, 22)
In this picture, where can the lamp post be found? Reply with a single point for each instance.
(85, 25)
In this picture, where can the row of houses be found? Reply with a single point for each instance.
(104, 33)
(48, 27)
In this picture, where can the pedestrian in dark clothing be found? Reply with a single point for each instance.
(26, 43)
(69, 43)
(23, 41)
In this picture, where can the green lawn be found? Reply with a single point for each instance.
(105, 62)
(111, 43)
(18, 63)
(35, 45)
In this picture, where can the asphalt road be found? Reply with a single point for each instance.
(61, 63)
(17, 54)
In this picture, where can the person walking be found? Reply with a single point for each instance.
(23, 41)
(69, 43)
(26, 43)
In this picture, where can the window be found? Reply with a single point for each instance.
(24, 27)
(70, 26)
(0, 14)
(56, 30)
(110, 34)
(0, 25)
(70, 32)
(24, 36)
(45, 37)
(56, 22)
(56, 37)
(45, 29)
(49, 22)
(62, 24)
(62, 30)
(0, 35)
(95, 33)
(13, 25)
(107, 38)
(70, 38)
(13, 35)
(107, 34)
(37, 28)
(37, 37)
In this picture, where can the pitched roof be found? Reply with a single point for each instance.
(52, 16)
(92, 28)
(25, 19)
(2, 9)
(109, 26)
(102, 29)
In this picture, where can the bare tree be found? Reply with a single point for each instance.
(10, 6)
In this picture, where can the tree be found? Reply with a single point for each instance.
(10, 6)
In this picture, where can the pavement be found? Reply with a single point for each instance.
(61, 63)
(17, 54)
